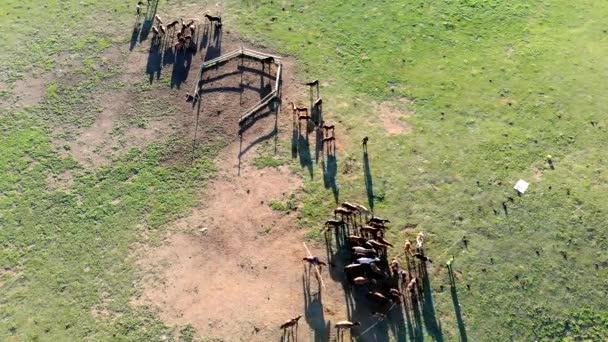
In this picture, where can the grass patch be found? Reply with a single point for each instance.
(289, 205)
(70, 246)
(267, 161)
(265, 231)
(68, 272)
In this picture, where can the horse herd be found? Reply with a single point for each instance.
(365, 238)
(301, 113)
(385, 284)
(185, 30)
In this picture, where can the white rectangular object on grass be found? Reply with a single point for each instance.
(521, 186)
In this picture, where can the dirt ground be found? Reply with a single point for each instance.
(233, 268)
(393, 118)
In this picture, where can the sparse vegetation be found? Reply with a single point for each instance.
(287, 206)
(66, 253)
(187, 334)
(267, 161)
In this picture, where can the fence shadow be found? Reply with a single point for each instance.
(248, 124)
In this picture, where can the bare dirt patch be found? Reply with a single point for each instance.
(134, 118)
(233, 268)
(7, 275)
(538, 174)
(28, 92)
(62, 181)
(393, 117)
(505, 101)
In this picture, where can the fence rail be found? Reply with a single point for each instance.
(274, 94)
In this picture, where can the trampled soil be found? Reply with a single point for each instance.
(233, 268)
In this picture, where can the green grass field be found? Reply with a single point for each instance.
(462, 62)
(65, 255)
(67, 268)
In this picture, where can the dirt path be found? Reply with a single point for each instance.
(242, 276)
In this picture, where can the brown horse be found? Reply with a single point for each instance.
(291, 322)
(214, 19)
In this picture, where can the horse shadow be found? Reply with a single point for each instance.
(148, 20)
(367, 173)
(330, 171)
(214, 47)
(397, 324)
(168, 56)
(461, 327)
(432, 324)
(313, 308)
(134, 35)
(204, 37)
(358, 306)
(415, 325)
(181, 68)
(294, 140)
(302, 148)
(153, 66)
(319, 144)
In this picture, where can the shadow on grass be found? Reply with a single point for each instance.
(329, 175)
(428, 307)
(367, 173)
(461, 328)
(300, 144)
